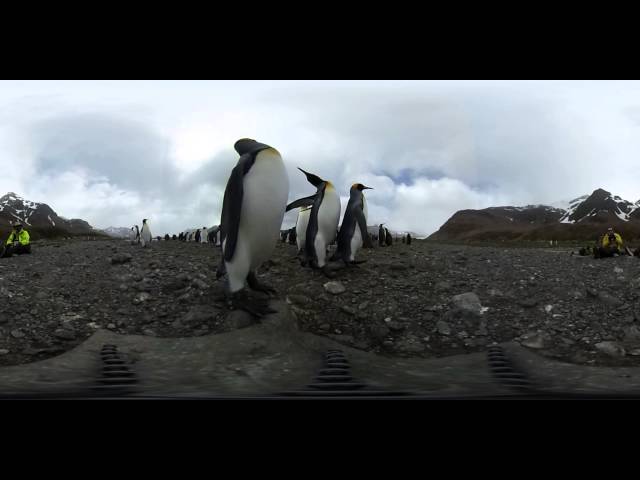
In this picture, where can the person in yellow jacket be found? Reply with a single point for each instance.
(612, 244)
(18, 242)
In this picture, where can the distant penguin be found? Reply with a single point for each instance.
(145, 234)
(388, 237)
(293, 236)
(137, 234)
(203, 235)
(197, 236)
(253, 208)
(353, 231)
(323, 221)
(213, 236)
(132, 236)
(174, 237)
(381, 235)
(301, 227)
(408, 239)
(167, 237)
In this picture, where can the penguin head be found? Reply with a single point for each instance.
(361, 187)
(144, 220)
(248, 145)
(314, 180)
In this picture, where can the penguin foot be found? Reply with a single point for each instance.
(221, 270)
(254, 284)
(357, 262)
(327, 272)
(258, 308)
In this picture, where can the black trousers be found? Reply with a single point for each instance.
(604, 252)
(10, 250)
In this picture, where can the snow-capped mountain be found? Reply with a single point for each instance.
(600, 202)
(38, 217)
(569, 204)
(583, 217)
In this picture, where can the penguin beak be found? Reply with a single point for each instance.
(367, 188)
(314, 180)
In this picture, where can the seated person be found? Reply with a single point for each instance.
(611, 244)
(18, 242)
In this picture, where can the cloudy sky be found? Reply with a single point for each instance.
(114, 152)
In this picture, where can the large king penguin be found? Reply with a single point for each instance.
(353, 231)
(145, 234)
(252, 212)
(323, 221)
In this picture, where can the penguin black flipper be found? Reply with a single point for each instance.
(232, 202)
(312, 229)
(232, 205)
(362, 223)
(302, 202)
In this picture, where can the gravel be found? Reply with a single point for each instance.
(548, 301)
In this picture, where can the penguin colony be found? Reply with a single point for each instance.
(254, 204)
(253, 208)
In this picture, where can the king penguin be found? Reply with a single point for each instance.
(388, 237)
(132, 236)
(145, 234)
(323, 221)
(252, 212)
(353, 231)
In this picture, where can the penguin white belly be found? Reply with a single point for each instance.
(264, 200)
(301, 227)
(328, 218)
(356, 243)
(145, 235)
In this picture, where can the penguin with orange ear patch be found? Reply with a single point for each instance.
(323, 221)
(252, 211)
(353, 231)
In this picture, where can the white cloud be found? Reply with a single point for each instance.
(115, 152)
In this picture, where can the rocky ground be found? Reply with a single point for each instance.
(420, 300)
